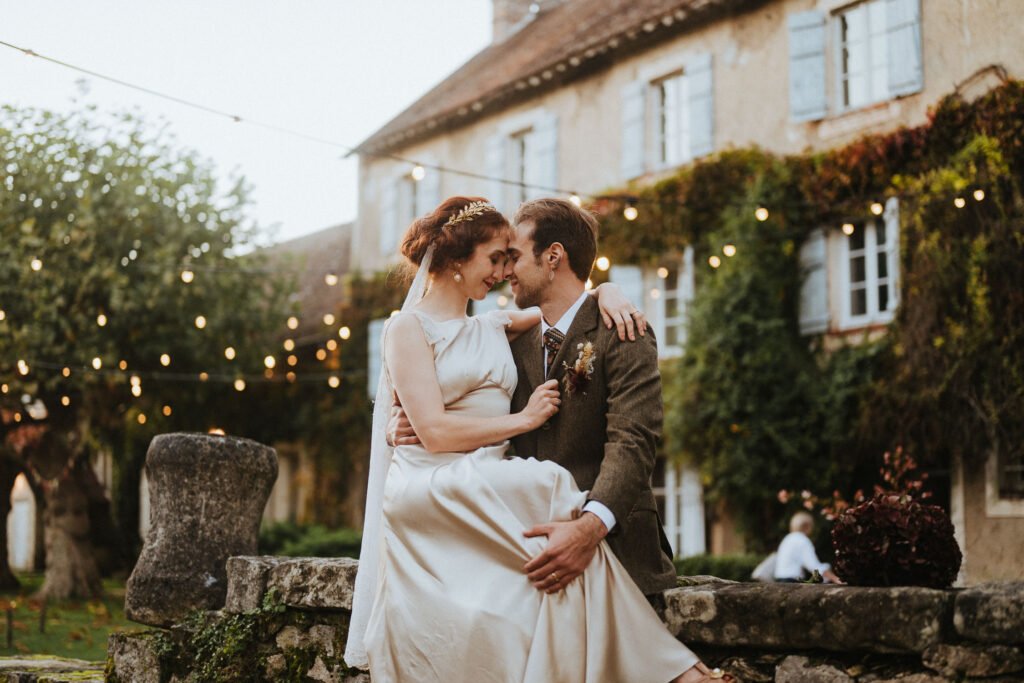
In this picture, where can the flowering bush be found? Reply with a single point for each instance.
(894, 540)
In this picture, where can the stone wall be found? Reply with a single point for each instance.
(295, 613)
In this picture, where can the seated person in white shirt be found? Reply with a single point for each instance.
(796, 558)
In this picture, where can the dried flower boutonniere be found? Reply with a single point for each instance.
(579, 374)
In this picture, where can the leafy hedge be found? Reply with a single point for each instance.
(731, 567)
(292, 540)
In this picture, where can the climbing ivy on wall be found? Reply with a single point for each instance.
(761, 408)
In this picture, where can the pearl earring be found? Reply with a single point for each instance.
(458, 277)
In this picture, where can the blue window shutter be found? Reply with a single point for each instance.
(904, 35)
(634, 121)
(631, 280)
(807, 98)
(494, 164)
(701, 105)
(542, 158)
(814, 316)
(388, 228)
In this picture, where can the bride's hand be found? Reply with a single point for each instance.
(618, 310)
(543, 404)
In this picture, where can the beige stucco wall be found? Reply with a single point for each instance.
(991, 537)
(750, 56)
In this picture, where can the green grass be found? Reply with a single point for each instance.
(74, 628)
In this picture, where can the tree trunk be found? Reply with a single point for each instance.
(71, 569)
(9, 470)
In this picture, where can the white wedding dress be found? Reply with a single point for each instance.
(453, 603)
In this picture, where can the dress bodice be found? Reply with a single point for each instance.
(473, 361)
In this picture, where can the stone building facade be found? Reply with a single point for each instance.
(579, 96)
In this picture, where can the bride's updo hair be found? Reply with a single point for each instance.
(455, 228)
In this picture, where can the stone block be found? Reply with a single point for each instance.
(133, 658)
(798, 617)
(796, 669)
(973, 660)
(991, 613)
(207, 495)
(247, 582)
(314, 582)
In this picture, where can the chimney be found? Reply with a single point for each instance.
(512, 15)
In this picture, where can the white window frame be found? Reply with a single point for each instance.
(871, 53)
(517, 159)
(656, 305)
(661, 122)
(995, 504)
(872, 316)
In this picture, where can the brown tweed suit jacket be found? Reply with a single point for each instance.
(606, 437)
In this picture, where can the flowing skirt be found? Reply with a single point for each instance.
(455, 605)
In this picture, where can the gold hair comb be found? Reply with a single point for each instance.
(469, 212)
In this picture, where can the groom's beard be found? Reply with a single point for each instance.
(528, 297)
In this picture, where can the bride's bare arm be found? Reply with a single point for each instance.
(616, 309)
(410, 364)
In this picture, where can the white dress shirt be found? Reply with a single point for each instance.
(600, 509)
(795, 556)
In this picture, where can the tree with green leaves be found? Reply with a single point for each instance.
(121, 288)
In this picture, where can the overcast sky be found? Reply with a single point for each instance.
(337, 69)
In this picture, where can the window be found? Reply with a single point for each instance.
(667, 117)
(864, 54)
(870, 270)
(1011, 472)
(525, 151)
(672, 121)
(875, 46)
(520, 158)
(403, 198)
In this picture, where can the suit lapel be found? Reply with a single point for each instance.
(533, 360)
(583, 324)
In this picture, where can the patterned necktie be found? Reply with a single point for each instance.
(552, 342)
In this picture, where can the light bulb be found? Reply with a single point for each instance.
(655, 293)
(328, 319)
(239, 384)
(200, 322)
(203, 376)
(23, 367)
(187, 276)
(714, 261)
(729, 250)
(959, 202)
(848, 228)
(229, 353)
(97, 363)
(331, 345)
(575, 199)
(418, 172)
(502, 301)
(167, 411)
(142, 418)
(603, 263)
(345, 332)
(289, 344)
(36, 265)
(293, 360)
(293, 323)
(165, 359)
(270, 362)
(136, 391)
(978, 196)
(66, 372)
(761, 214)
(101, 320)
(663, 272)
(321, 354)
(630, 213)
(589, 285)
(877, 208)
(331, 279)
(65, 401)
(333, 382)
(3, 315)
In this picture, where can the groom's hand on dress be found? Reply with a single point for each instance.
(399, 431)
(571, 547)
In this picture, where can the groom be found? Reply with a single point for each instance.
(609, 423)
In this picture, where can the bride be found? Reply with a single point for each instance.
(441, 594)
